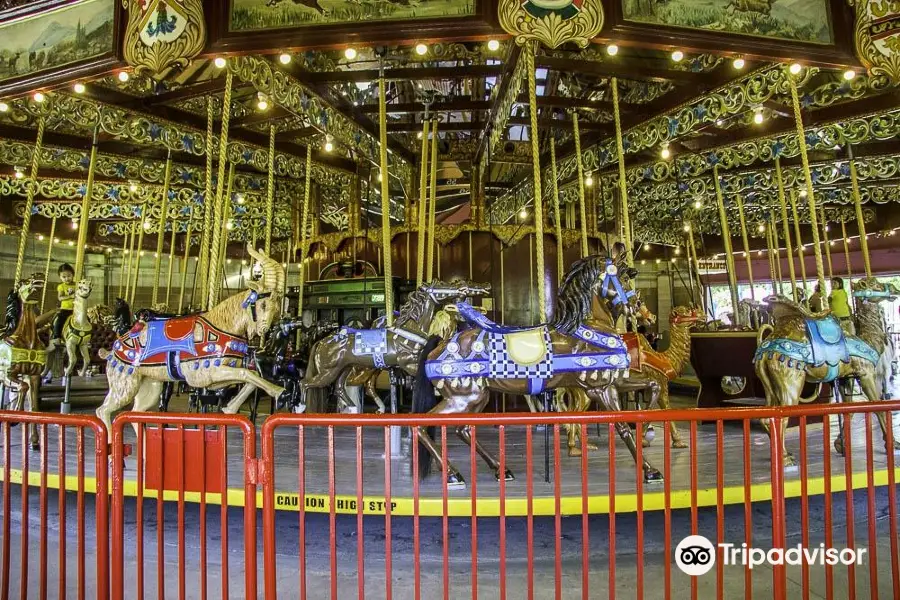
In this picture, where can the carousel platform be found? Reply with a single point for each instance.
(735, 488)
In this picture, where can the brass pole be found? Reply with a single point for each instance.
(623, 187)
(171, 265)
(85, 214)
(789, 249)
(746, 243)
(185, 261)
(47, 265)
(800, 257)
(125, 259)
(218, 223)
(775, 244)
(209, 204)
(846, 247)
(810, 198)
(136, 260)
(827, 243)
(431, 209)
(860, 221)
(582, 207)
(770, 254)
(161, 228)
(692, 251)
(131, 257)
(304, 240)
(32, 189)
(223, 248)
(538, 195)
(557, 218)
(385, 201)
(270, 192)
(726, 242)
(422, 208)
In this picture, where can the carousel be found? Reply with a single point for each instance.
(538, 206)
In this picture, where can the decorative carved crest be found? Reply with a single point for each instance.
(878, 36)
(163, 34)
(552, 22)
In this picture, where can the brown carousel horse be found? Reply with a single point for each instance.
(22, 354)
(810, 347)
(205, 350)
(565, 353)
(380, 348)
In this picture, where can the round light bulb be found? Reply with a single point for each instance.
(589, 180)
(74, 224)
(698, 204)
(40, 238)
(124, 76)
(849, 74)
(79, 88)
(612, 49)
(493, 45)
(20, 173)
(643, 261)
(677, 250)
(284, 59)
(262, 104)
(761, 228)
(421, 49)
(658, 261)
(380, 177)
(719, 122)
(803, 193)
(329, 146)
(132, 187)
(240, 199)
(39, 97)
(796, 68)
(758, 117)
(687, 228)
(759, 252)
(523, 213)
(228, 261)
(666, 153)
(4, 107)
(350, 53)
(677, 56)
(738, 63)
(147, 225)
(71, 243)
(219, 62)
(646, 247)
(55, 240)
(229, 225)
(419, 135)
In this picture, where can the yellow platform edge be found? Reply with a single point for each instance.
(653, 497)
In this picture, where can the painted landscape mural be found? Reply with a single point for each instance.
(52, 39)
(796, 20)
(270, 14)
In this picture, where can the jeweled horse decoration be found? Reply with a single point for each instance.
(205, 350)
(381, 348)
(565, 353)
(810, 347)
(22, 354)
(77, 330)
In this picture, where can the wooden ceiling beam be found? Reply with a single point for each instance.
(263, 116)
(639, 71)
(512, 122)
(406, 74)
(465, 104)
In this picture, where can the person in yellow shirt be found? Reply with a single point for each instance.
(840, 305)
(65, 294)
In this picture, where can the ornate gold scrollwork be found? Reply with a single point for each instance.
(163, 34)
(877, 36)
(552, 22)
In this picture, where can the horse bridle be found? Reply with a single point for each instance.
(611, 276)
(252, 299)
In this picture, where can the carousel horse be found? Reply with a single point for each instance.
(565, 353)
(754, 314)
(810, 347)
(122, 320)
(442, 325)
(381, 348)
(22, 354)
(651, 370)
(205, 350)
(76, 333)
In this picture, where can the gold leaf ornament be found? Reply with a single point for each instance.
(552, 22)
(162, 35)
(877, 36)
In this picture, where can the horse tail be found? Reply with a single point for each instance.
(423, 402)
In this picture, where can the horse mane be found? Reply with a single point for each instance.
(13, 311)
(414, 307)
(573, 305)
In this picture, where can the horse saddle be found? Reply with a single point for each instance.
(169, 335)
(827, 341)
(527, 347)
(369, 341)
(472, 316)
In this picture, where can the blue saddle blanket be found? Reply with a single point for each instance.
(369, 341)
(827, 342)
(161, 339)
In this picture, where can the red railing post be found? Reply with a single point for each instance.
(779, 581)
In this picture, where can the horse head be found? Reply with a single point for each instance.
(686, 315)
(264, 299)
(615, 285)
(122, 319)
(870, 289)
(30, 289)
(84, 288)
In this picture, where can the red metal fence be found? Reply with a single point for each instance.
(567, 526)
(41, 473)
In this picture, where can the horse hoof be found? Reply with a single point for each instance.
(36, 446)
(839, 447)
(679, 444)
(789, 462)
(455, 481)
(645, 443)
(652, 475)
(575, 451)
(509, 476)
